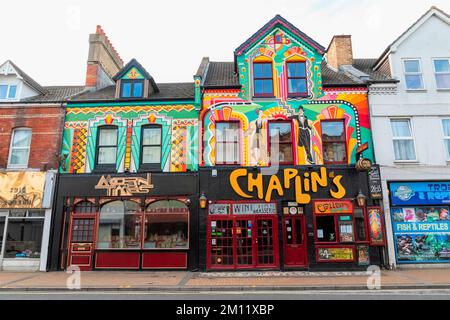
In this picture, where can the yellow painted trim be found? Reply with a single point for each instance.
(262, 59)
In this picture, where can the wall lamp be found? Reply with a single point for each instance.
(202, 201)
(361, 199)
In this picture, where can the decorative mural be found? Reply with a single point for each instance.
(279, 46)
(179, 135)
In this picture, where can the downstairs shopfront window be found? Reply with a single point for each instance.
(23, 236)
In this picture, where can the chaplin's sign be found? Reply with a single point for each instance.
(125, 186)
(21, 189)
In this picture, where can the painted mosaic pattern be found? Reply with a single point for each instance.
(179, 135)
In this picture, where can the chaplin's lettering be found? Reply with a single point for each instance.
(303, 184)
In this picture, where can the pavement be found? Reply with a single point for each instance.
(176, 281)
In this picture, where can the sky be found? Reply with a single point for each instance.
(48, 39)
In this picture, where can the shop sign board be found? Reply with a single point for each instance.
(375, 189)
(420, 193)
(421, 234)
(327, 254)
(125, 186)
(333, 206)
(219, 208)
(21, 189)
(254, 208)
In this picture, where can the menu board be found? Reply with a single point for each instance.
(375, 189)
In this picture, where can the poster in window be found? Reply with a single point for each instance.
(333, 254)
(376, 234)
(363, 255)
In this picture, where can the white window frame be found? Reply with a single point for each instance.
(436, 73)
(444, 138)
(420, 73)
(8, 89)
(403, 138)
(19, 166)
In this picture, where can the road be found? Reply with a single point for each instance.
(238, 295)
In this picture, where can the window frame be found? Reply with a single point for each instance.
(150, 166)
(345, 161)
(263, 95)
(436, 73)
(403, 138)
(444, 138)
(420, 73)
(132, 83)
(107, 167)
(18, 166)
(269, 141)
(296, 94)
(238, 144)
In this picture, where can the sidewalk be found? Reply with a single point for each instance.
(223, 281)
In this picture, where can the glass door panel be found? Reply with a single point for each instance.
(221, 243)
(244, 242)
(265, 246)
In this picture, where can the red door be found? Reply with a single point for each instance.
(295, 246)
(81, 241)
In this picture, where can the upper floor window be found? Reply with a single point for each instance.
(132, 88)
(19, 151)
(296, 78)
(333, 141)
(446, 129)
(8, 91)
(442, 73)
(280, 134)
(403, 140)
(151, 147)
(227, 143)
(107, 146)
(413, 74)
(263, 79)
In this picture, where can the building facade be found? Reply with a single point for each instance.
(410, 121)
(31, 120)
(127, 195)
(285, 146)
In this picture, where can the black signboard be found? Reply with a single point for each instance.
(375, 182)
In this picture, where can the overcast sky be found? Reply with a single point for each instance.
(48, 39)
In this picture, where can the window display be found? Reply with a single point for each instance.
(326, 229)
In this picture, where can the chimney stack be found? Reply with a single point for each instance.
(103, 61)
(340, 52)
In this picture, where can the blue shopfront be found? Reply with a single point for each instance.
(420, 221)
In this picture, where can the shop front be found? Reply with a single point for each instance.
(316, 218)
(126, 221)
(420, 221)
(25, 213)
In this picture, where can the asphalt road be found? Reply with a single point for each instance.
(238, 295)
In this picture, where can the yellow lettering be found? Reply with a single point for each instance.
(322, 180)
(340, 193)
(289, 174)
(274, 184)
(258, 183)
(234, 183)
(300, 197)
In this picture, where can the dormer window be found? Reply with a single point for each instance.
(132, 89)
(8, 91)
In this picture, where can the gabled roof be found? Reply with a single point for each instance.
(134, 63)
(433, 11)
(27, 79)
(278, 20)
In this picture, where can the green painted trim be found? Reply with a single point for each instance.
(128, 104)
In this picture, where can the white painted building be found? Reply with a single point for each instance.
(411, 131)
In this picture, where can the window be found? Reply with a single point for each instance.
(167, 225)
(442, 73)
(151, 147)
(107, 145)
(227, 142)
(8, 92)
(360, 225)
(413, 74)
(326, 229)
(281, 141)
(446, 128)
(23, 238)
(263, 79)
(119, 226)
(132, 89)
(333, 141)
(3, 91)
(20, 148)
(12, 92)
(296, 78)
(403, 140)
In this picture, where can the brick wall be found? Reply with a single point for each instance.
(46, 124)
(340, 51)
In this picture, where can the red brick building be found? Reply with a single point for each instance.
(31, 120)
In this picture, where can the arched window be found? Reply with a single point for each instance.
(84, 207)
(262, 77)
(19, 151)
(120, 225)
(106, 154)
(166, 225)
